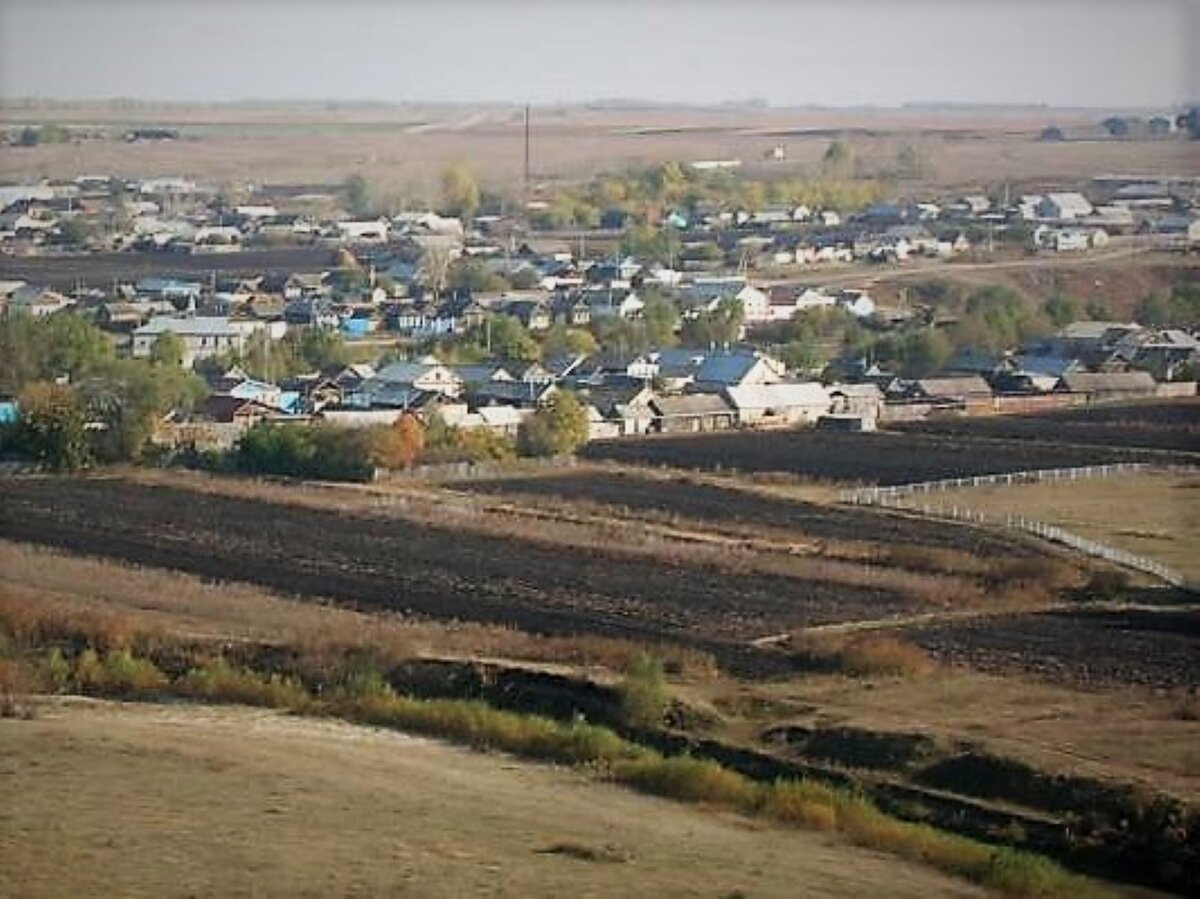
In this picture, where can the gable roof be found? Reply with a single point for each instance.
(690, 404)
(728, 368)
(1090, 382)
(969, 386)
(787, 395)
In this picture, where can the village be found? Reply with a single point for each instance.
(706, 317)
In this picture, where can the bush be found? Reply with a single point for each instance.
(644, 692)
(118, 673)
(863, 656)
(804, 803)
(687, 779)
(17, 684)
(218, 681)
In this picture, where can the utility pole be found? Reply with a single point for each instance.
(527, 177)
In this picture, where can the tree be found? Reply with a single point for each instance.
(76, 231)
(44, 349)
(356, 196)
(434, 269)
(505, 337)
(460, 193)
(558, 428)
(802, 354)
(1062, 310)
(398, 446)
(661, 318)
(1153, 311)
(130, 398)
(838, 161)
(168, 349)
(721, 326)
(51, 428)
(923, 352)
(560, 340)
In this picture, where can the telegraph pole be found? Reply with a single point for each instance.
(527, 178)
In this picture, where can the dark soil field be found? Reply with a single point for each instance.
(1087, 648)
(101, 269)
(739, 511)
(429, 571)
(880, 458)
(1172, 425)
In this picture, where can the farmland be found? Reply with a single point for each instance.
(1171, 425)
(402, 148)
(751, 513)
(879, 458)
(389, 563)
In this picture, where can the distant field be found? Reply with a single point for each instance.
(111, 799)
(1165, 425)
(1154, 515)
(879, 458)
(400, 151)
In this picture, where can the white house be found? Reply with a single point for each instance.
(857, 302)
(1064, 206)
(202, 336)
(367, 231)
(779, 404)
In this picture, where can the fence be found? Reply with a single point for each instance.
(899, 497)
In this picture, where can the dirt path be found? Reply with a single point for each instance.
(139, 800)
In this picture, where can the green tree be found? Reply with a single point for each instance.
(721, 326)
(1062, 310)
(356, 196)
(131, 398)
(558, 428)
(661, 318)
(802, 354)
(923, 352)
(838, 161)
(44, 349)
(76, 231)
(168, 349)
(502, 336)
(560, 340)
(52, 426)
(460, 193)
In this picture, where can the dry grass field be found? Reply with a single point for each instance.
(143, 800)
(1155, 515)
(401, 150)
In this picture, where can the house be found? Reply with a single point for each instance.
(37, 302)
(864, 401)
(481, 373)
(784, 404)
(706, 295)
(627, 407)
(312, 312)
(365, 231)
(571, 310)
(677, 367)
(181, 293)
(533, 314)
(1099, 387)
(737, 369)
(612, 303)
(222, 408)
(1026, 373)
(691, 413)
(520, 394)
(969, 389)
(426, 375)
(857, 302)
(1166, 353)
(1063, 206)
(202, 337)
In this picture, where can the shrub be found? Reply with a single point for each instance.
(862, 656)
(687, 779)
(17, 684)
(126, 673)
(644, 692)
(804, 803)
(57, 671)
(218, 681)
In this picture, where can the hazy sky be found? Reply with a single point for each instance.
(885, 52)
